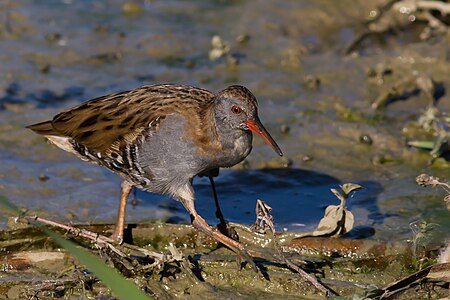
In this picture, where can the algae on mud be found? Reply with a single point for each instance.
(368, 264)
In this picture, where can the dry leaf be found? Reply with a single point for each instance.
(348, 188)
(337, 221)
(264, 220)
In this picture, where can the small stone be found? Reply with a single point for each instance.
(311, 82)
(277, 163)
(284, 129)
(131, 8)
(371, 73)
(101, 28)
(43, 177)
(307, 158)
(242, 38)
(53, 37)
(232, 61)
(378, 159)
(365, 139)
(219, 48)
(110, 57)
(45, 68)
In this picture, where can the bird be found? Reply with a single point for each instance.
(159, 137)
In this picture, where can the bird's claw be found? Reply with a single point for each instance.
(244, 257)
(227, 230)
(117, 237)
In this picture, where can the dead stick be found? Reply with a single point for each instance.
(76, 231)
(264, 221)
(301, 272)
(443, 8)
(100, 239)
(308, 277)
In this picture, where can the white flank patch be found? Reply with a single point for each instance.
(62, 142)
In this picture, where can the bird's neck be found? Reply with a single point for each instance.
(236, 144)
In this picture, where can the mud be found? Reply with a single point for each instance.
(342, 111)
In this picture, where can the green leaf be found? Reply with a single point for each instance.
(8, 207)
(427, 145)
(348, 188)
(120, 286)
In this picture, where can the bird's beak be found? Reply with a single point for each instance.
(257, 126)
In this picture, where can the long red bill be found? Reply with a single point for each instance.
(256, 126)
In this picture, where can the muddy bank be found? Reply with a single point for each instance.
(316, 100)
(33, 265)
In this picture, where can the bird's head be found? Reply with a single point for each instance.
(237, 108)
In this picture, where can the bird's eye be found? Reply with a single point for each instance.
(236, 109)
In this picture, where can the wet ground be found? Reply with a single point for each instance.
(315, 99)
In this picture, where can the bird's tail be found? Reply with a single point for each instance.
(43, 128)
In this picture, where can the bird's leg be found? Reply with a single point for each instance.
(187, 199)
(200, 224)
(219, 214)
(223, 226)
(120, 223)
(134, 200)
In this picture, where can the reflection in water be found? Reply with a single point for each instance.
(297, 196)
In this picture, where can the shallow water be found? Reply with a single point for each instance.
(55, 54)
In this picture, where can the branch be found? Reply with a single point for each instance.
(104, 241)
(442, 7)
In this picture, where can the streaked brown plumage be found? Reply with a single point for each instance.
(159, 137)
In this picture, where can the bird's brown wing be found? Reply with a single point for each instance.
(108, 123)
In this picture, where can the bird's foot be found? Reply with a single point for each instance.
(228, 231)
(246, 258)
(117, 236)
(237, 247)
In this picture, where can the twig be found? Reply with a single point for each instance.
(427, 180)
(103, 240)
(443, 8)
(400, 285)
(264, 222)
(184, 264)
(302, 273)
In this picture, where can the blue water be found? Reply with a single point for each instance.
(98, 50)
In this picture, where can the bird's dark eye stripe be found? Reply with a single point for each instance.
(236, 109)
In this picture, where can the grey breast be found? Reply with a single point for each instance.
(168, 157)
(236, 147)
